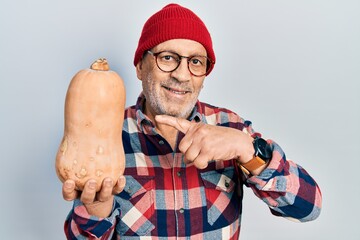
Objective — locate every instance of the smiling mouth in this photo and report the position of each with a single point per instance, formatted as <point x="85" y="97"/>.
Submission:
<point x="176" y="91"/>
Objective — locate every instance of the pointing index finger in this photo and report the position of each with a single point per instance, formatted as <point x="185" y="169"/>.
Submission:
<point x="180" y="124"/>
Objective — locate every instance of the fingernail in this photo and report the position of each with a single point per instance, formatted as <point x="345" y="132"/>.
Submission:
<point x="108" y="182"/>
<point x="69" y="185"/>
<point x="92" y="184"/>
<point x="122" y="181"/>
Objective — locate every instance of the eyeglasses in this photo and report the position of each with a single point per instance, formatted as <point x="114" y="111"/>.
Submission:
<point x="169" y="61"/>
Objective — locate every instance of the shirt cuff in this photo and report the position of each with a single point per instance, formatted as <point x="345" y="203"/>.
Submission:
<point x="272" y="178"/>
<point x="90" y="224"/>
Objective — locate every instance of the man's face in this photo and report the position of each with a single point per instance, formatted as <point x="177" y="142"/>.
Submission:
<point x="173" y="93"/>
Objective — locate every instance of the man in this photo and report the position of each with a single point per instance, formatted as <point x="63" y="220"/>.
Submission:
<point x="186" y="161"/>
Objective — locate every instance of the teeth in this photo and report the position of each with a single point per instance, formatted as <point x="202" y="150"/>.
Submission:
<point x="179" y="92"/>
<point x="183" y="92"/>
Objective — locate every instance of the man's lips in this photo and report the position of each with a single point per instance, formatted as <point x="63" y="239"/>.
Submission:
<point x="176" y="91"/>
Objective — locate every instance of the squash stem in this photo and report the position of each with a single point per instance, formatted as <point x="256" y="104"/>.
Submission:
<point x="100" y="65"/>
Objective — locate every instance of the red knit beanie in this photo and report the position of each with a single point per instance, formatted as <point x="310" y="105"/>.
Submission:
<point x="174" y="22"/>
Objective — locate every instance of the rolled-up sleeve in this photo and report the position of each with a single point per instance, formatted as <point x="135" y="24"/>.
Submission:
<point x="287" y="188"/>
<point x="80" y="225"/>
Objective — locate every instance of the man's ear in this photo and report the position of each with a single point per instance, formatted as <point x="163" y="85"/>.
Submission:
<point x="139" y="70"/>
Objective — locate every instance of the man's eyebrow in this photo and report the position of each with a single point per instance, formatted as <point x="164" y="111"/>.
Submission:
<point x="174" y="51"/>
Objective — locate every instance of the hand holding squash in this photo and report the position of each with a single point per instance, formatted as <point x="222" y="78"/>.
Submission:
<point x="91" y="148"/>
<point x="97" y="203"/>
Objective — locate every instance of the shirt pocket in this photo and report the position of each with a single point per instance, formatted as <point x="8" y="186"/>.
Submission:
<point x="222" y="202"/>
<point x="137" y="206"/>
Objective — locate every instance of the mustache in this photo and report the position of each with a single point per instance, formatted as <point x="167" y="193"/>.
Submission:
<point x="174" y="83"/>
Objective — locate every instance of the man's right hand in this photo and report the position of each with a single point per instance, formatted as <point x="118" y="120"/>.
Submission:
<point x="97" y="203"/>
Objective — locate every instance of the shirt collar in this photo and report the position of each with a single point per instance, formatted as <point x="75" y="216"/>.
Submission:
<point x="141" y="118"/>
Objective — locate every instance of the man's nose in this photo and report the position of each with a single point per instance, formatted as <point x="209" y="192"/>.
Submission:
<point x="182" y="72"/>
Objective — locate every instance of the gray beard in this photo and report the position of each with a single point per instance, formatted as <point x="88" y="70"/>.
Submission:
<point x="157" y="104"/>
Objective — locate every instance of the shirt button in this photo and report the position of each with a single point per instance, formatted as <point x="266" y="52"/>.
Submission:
<point x="178" y="173"/>
<point x="227" y="184"/>
<point x="161" y="142"/>
<point x="181" y="210"/>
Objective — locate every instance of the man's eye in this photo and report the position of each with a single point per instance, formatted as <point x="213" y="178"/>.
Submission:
<point x="168" y="58"/>
<point x="196" y="61"/>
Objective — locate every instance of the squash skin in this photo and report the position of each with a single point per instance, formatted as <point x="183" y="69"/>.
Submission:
<point x="92" y="146"/>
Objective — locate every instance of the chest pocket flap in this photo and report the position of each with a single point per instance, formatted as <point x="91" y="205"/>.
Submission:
<point x="222" y="181"/>
<point x="137" y="206"/>
<point x="221" y="198"/>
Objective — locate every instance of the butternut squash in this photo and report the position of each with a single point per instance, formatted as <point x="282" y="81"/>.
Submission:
<point x="92" y="147"/>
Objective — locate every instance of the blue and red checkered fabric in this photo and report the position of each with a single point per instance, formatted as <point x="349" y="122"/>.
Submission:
<point x="164" y="198"/>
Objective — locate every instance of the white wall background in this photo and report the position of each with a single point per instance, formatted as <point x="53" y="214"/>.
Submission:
<point x="292" y="67"/>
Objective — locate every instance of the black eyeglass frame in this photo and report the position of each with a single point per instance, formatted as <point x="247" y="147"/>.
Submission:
<point x="208" y="62"/>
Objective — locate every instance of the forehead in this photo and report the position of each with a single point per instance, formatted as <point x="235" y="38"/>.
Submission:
<point x="183" y="47"/>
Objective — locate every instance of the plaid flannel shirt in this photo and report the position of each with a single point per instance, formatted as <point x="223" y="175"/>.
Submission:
<point x="164" y="198"/>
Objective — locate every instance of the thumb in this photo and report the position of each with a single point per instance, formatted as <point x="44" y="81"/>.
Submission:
<point x="180" y="124"/>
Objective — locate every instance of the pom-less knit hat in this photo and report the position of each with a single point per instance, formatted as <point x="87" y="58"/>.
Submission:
<point x="174" y="22"/>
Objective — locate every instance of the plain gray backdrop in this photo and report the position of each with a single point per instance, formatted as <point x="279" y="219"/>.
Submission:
<point x="291" y="67"/>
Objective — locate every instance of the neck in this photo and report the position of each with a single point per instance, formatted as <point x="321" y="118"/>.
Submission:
<point x="168" y="132"/>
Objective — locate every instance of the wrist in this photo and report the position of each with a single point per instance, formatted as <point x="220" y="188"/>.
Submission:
<point x="247" y="151"/>
<point x="258" y="160"/>
<point x="100" y="209"/>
